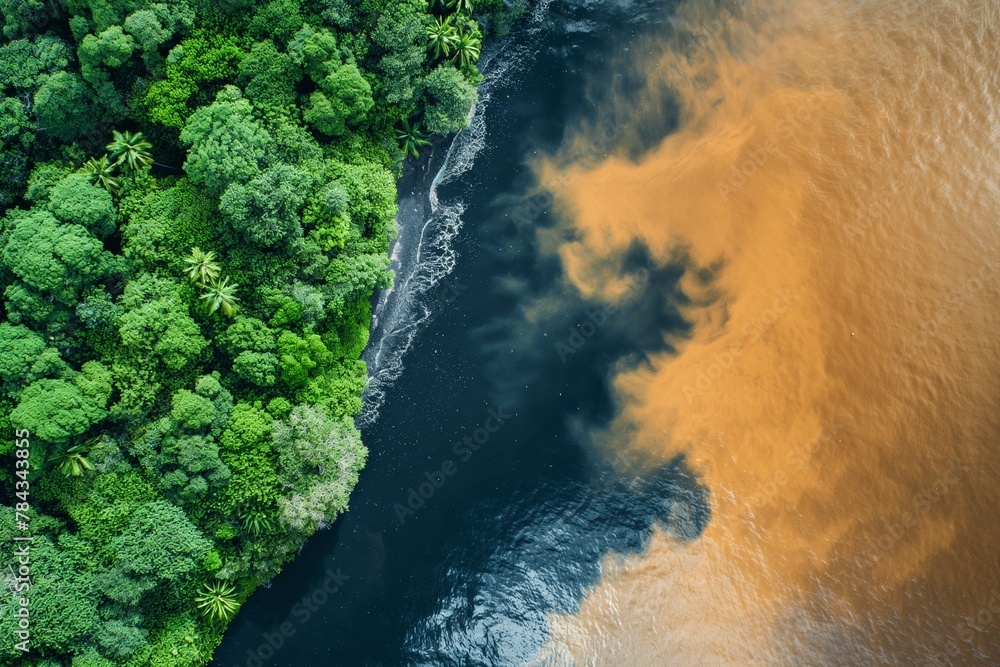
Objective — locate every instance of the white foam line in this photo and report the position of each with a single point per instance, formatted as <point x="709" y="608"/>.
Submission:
<point x="402" y="310"/>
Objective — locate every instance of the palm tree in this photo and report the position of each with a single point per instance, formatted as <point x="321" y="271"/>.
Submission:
<point x="131" y="148"/>
<point x="257" y="523"/>
<point x="442" y="37"/>
<point x="220" y="295"/>
<point x="102" y="172"/>
<point x="466" y="49"/>
<point x="73" y="462"/>
<point x="459" y="5"/>
<point x="411" y="138"/>
<point x="217" y="601"/>
<point x="202" y="268"/>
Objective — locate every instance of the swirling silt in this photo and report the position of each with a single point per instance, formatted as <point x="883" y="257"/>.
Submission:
<point x="843" y="153"/>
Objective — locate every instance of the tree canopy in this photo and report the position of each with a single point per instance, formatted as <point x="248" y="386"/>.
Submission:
<point x="197" y="204"/>
<point x="226" y="145"/>
<point x="56" y="259"/>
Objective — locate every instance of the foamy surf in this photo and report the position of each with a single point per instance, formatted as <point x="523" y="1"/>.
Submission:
<point x="423" y="253"/>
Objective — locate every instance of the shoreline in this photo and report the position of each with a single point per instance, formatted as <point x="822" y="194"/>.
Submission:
<point x="397" y="310"/>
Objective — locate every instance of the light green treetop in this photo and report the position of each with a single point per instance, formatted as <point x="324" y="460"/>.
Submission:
<point x="54" y="258"/>
<point x="226" y="144"/>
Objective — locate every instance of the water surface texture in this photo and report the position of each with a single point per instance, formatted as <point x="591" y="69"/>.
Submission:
<point x="702" y="369"/>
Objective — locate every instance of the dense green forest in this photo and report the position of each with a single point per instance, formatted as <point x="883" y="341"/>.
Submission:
<point x="197" y="201"/>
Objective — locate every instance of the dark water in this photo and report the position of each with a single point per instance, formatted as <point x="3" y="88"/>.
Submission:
<point x="519" y="527"/>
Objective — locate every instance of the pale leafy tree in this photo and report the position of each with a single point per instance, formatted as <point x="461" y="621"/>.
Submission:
<point x="130" y="148"/>
<point x="221" y="295"/>
<point x="102" y="172"/>
<point x="442" y="37"/>
<point x="202" y="268"/>
<point x="217" y="601"/>
<point x="411" y="139"/>
<point x="319" y="459"/>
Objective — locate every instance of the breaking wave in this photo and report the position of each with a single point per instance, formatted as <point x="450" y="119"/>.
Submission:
<point x="423" y="254"/>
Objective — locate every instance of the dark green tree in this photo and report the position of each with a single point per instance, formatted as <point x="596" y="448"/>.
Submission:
<point x="158" y="545"/>
<point x="448" y="98"/>
<point x="266" y="209"/>
<point x="278" y="19"/>
<point x="17" y="136"/>
<point x="344" y="99"/>
<point x="64" y="106"/>
<point x="25" y="358"/>
<point x="315" y="51"/>
<point x="400" y="41"/>
<point x="269" y="76"/>
<point x="24" y="61"/>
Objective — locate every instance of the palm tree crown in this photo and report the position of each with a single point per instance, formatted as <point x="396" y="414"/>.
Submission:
<point x="411" y="138"/>
<point x="130" y="148"/>
<point x="201" y="266"/>
<point x="466" y="49"/>
<point x="442" y="37"/>
<point x="73" y="461"/>
<point x="101" y="172"/>
<point x="217" y="601"/>
<point x="221" y="295"/>
<point x="459" y="5"/>
<point x="257" y="523"/>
